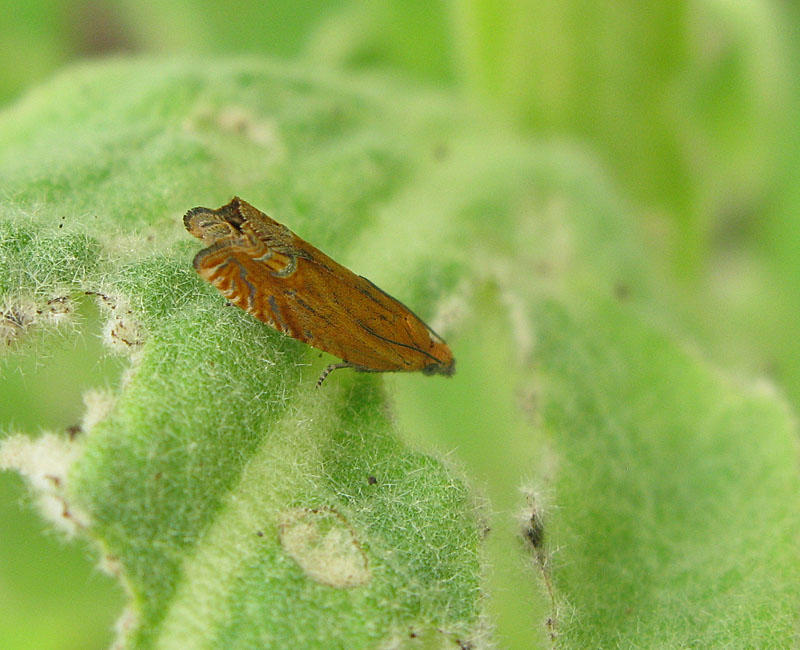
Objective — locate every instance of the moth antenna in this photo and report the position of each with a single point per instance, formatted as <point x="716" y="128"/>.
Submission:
<point x="330" y="369"/>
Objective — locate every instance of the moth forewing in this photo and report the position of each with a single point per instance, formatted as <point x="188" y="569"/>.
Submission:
<point x="264" y="268"/>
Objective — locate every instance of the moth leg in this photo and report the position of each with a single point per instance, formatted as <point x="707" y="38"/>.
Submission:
<point x="331" y="368"/>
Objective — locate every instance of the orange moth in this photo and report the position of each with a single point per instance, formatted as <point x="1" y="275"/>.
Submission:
<point x="267" y="270"/>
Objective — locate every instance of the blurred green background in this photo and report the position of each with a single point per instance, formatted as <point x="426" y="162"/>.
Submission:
<point x="692" y="109"/>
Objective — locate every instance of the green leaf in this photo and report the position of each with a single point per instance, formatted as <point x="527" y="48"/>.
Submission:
<point x="637" y="494"/>
<point x="237" y="503"/>
<point x="687" y="531"/>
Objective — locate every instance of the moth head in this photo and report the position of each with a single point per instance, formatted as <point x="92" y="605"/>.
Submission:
<point x="213" y="225"/>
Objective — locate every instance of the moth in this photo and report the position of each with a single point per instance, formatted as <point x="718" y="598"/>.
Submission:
<point x="262" y="267"/>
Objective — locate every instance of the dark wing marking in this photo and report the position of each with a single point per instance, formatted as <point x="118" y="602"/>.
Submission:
<point x="375" y="286"/>
<point x="372" y="332"/>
